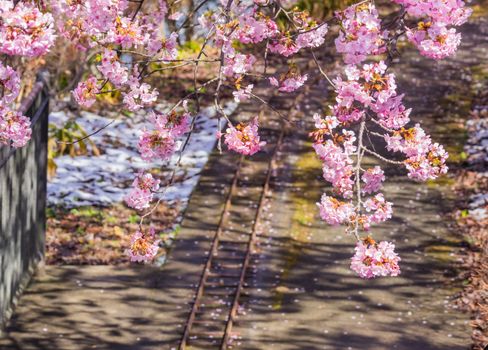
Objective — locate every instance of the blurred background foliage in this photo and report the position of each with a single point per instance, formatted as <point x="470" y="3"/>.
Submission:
<point x="323" y="9"/>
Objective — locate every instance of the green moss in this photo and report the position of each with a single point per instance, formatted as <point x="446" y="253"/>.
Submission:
<point x="305" y="171"/>
<point x="440" y="252"/>
<point x="479" y="72"/>
<point x="480" y="10"/>
<point x="88" y="212"/>
<point x="441" y="181"/>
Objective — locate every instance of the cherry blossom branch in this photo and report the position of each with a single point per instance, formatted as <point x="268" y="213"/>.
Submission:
<point x="359" y="156"/>
<point x="190" y="15"/>
<point x="320" y="69"/>
<point x="87" y="136"/>
<point x="381" y="157"/>
<point x="281" y="115"/>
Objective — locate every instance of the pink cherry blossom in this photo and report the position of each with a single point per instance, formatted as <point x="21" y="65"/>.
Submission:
<point x="374" y="260"/>
<point x="428" y="166"/>
<point x="411" y="141"/>
<point x="86" y="92"/>
<point x="156" y="144"/>
<point x="361" y="33"/>
<point x="256" y="28"/>
<point x="143" y="247"/>
<point x="125" y="32"/>
<point x="337" y="168"/>
<point x="289" y="82"/>
<point x="284" y="46"/>
<point x="160" y="142"/>
<point x="139" y="95"/>
<point x="24" y="30"/>
<point x="113" y="69"/>
<point x="335" y="212"/>
<point x="373" y="179"/>
<point x="435" y="41"/>
<point x="14" y="128"/>
<point x="312" y="36"/>
<point x="380" y="208"/>
<point x="237" y="63"/>
<point x="9" y="84"/>
<point x="324" y="127"/>
<point x="450" y="12"/>
<point x="244" y="138"/>
<point x="165" y="48"/>
<point x="392" y="113"/>
<point x="174" y="123"/>
<point x="141" y="194"/>
<point x="243" y="94"/>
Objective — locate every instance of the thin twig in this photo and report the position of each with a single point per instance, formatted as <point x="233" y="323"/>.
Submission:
<point x="87" y="136"/>
<point x="381" y="157"/>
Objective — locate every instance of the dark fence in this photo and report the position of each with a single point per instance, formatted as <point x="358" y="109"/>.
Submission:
<point x="23" y="203"/>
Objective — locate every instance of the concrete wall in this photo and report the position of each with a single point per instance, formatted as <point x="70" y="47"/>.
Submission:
<point x="23" y="204"/>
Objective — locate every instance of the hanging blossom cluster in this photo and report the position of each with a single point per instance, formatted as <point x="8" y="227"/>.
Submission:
<point x="130" y="41"/>
<point x="369" y="96"/>
<point x="24" y="32"/>
<point x="144" y="246"/>
<point x="373" y="259"/>
<point x="368" y="99"/>
<point x="361" y="34"/>
<point x="243" y="138"/>
<point x="435" y="36"/>
<point x="143" y="189"/>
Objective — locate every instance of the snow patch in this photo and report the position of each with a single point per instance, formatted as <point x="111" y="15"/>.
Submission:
<point x="105" y="180"/>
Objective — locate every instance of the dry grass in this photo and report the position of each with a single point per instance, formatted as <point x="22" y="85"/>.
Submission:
<point x="97" y="236"/>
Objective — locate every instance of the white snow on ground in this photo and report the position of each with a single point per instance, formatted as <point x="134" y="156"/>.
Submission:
<point x="104" y="180"/>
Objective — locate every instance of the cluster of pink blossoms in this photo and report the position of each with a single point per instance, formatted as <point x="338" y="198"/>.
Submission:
<point x="248" y="25"/>
<point x="373" y="179"/>
<point x="142" y="192"/>
<point x="368" y="93"/>
<point x="14" y="128"/>
<point x="86" y="92"/>
<point x="310" y="35"/>
<point x="369" y="96"/>
<point x="143" y="246"/>
<point x="9" y="83"/>
<point x="241" y="95"/>
<point x="160" y="142"/>
<point x="105" y="24"/>
<point x="426" y="160"/>
<point x="24" y="30"/>
<point x="289" y="82"/>
<point x="334" y="211"/>
<point x="433" y="36"/>
<point x="373" y="259"/>
<point x="139" y="95"/>
<point x="361" y="33"/>
<point x="244" y="139"/>
<point x="335" y="153"/>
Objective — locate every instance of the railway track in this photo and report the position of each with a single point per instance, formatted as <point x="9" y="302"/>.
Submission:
<point x="223" y="280"/>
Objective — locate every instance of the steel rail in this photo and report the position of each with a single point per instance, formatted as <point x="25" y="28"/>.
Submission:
<point x="250" y="244"/>
<point x="208" y="263"/>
